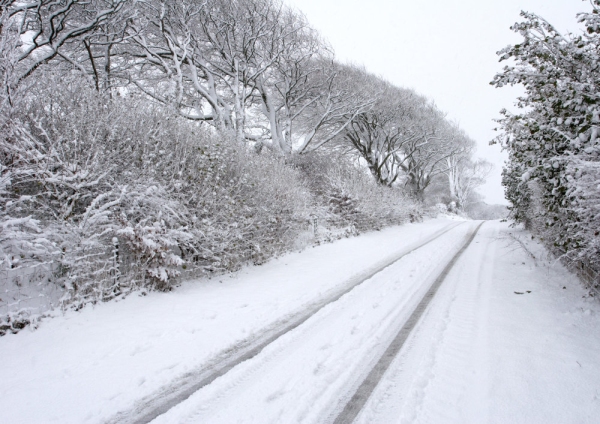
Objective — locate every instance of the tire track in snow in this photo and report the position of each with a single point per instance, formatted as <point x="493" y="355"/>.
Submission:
<point x="354" y="406"/>
<point x="151" y="407"/>
<point x="459" y="342"/>
<point x="299" y="378"/>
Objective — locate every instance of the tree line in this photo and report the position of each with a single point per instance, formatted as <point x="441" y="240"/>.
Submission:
<point x="199" y="134"/>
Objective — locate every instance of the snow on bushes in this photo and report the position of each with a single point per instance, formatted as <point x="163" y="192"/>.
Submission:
<point x="551" y="178"/>
<point x="346" y="197"/>
<point x="106" y="196"/>
<point x="116" y="196"/>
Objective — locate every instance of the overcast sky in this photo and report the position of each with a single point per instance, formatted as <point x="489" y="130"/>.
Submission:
<point x="443" y="49"/>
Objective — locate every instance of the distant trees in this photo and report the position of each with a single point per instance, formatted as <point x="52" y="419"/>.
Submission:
<point x="464" y="173"/>
<point x="403" y="139"/>
<point x="430" y="155"/>
<point x="385" y="134"/>
<point x="552" y="175"/>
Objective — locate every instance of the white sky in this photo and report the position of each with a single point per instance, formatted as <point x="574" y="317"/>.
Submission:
<point x="444" y="49"/>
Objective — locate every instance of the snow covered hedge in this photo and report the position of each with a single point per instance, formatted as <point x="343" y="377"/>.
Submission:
<point x="117" y="196"/>
<point x="104" y="196"/>
<point x="552" y="178"/>
<point x="345" y="196"/>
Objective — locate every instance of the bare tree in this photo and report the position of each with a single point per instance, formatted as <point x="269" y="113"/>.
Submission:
<point x="254" y="67"/>
<point x="35" y="32"/>
<point x="427" y="156"/>
<point x="208" y="59"/>
<point x="396" y="127"/>
<point x="465" y="175"/>
<point x="170" y="61"/>
<point x="101" y="54"/>
<point x="341" y="93"/>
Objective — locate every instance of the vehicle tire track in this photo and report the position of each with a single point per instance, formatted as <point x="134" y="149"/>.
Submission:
<point x="300" y="377"/>
<point x="366" y="388"/>
<point x="159" y="403"/>
<point x="463" y="340"/>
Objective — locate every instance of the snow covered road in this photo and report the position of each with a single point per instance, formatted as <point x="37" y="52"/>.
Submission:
<point x="508" y="339"/>
<point x="480" y="352"/>
<point x="303" y="375"/>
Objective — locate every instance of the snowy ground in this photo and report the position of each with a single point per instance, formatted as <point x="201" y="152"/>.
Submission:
<point x="481" y="352"/>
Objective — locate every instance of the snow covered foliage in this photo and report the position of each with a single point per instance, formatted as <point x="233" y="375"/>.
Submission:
<point x="346" y="197"/>
<point x="145" y="141"/>
<point x="119" y="195"/>
<point x="552" y="177"/>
